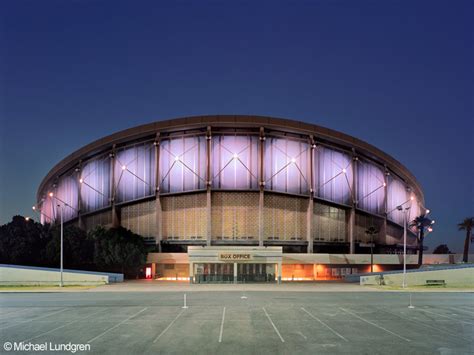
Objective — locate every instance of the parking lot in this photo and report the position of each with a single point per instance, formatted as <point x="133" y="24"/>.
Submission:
<point x="242" y="322"/>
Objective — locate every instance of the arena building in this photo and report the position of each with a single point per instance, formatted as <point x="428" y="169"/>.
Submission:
<point x="241" y="198"/>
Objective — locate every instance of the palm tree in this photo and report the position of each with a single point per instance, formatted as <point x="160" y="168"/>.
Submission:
<point x="466" y="225"/>
<point x="420" y="223"/>
<point x="371" y="231"/>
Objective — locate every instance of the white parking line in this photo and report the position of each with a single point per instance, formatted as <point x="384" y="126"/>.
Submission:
<point x="464" y="310"/>
<point x="273" y="324"/>
<point x="117" y="325"/>
<point x="169" y="326"/>
<point x="320" y="321"/>
<point x="16" y="311"/>
<point x="443" y="315"/>
<point x="222" y="326"/>
<point x="62" y="326"/>
<point x="33" y="319"/>
<point x="375" y="325"/>
<point x="424" y="324"/>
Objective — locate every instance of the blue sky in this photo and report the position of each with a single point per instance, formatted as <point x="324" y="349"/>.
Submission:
<point x="397" y="74"/>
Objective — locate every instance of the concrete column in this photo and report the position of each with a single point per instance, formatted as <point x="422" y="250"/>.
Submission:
<point x="309" y="217"/>
<point x="80" y="223"/>
<point x="113" y="162"/>
<point x="158" y="212"/>
<point x="351" y="219"/>
<point x="279" y="272"/>
<point x="191" y="272"/>
<point x="235" y="273"/>
<point x="262" y="185"/>
<point x="208" y="191"/>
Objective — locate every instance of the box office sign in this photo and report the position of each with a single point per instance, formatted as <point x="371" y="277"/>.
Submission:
<point x="235" y="256"/>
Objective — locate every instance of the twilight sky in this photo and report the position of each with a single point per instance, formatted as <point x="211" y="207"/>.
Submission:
<point x="397" y="74"/>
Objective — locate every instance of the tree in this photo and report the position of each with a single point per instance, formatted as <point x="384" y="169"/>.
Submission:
<point x="421" y="223"/>
<point x="118" y="250"/>
<point x="371" y="231"/>
<point x="22" y="240"/>
<point x="78" y="248"/>
<point x="441" y="249"/>
<point x="466" y="225"/>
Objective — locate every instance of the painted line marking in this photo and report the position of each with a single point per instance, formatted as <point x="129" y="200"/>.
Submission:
<point x="16" y="311"/>
<point x="445" y="316"/>
<point x="375" y="325"/>
<point x="465" y="310"/>
<point x="117" y="325"/>
<point x="273" y="324"/>
<point x="304" y="337"/>
<point x="33" y="319"/>
<point x="169" y="326"/>
<point x="64" y="325"/>
<point x="222" y="326"/>
<point x="442" y="330"/>
<point x="320" y="321"/>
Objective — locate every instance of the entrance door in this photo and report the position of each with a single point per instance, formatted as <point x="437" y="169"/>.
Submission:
<point x="255" y="273"/>
<point x="214" y="273"/>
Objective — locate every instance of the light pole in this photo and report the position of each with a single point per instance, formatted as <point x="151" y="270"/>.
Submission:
<point x="404" y="210"/>
<point x="62" y="234"/>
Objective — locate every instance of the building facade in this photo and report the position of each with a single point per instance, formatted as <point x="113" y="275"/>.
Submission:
<point x="234" y="182"/>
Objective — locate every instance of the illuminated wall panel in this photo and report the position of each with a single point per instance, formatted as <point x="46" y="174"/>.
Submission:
<point x="286" y="165"/>
<point x="103" y="219"/>
<point x="184" y="217"/>
<point x="284" y="217"/>
<point x="329" y="223"/>
<point x="370" y="187"/>
<point x="333" y="175"/>
<point x="67" y="195"/>
<point x="396" y="195"/>
<point x="235" y="162"/>
<point x="95" y="184"/>
<point x="47" y="210"/>
<point x="235" y="215"/>
<point x="183" y="164"/>
<point x="140" y="218"/>
<point x="135" y="172"/>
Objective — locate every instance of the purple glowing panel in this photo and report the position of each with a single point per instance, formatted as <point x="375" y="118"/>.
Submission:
<point x="286" y="165"/>
<point x="333" y="175"/>
<point x="67" y="195"/>
<point x="397" y="195"/>
<point x="235" y="162"/>
<point x="47" y="210"/>
<point x="95" y="184"/>
<point x="183" y="164"/>
<point x="415" y="210"/>
<point x="370" y="187"/>
<point x="135" y="172"/>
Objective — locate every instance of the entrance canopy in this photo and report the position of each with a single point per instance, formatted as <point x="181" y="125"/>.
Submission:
<point x="235" y="264"/>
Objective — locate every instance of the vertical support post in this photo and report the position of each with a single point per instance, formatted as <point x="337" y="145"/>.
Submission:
<point x="351" y="220"/>
<point x="208" y="189"/>
<point x="158" y="212"/>
<point x="309" y="216"/>
<point x="80" y="223"/>
<point x="191" y="272"/>
<point x="261" y="199"/>
<point x="279" y="272"/>
<point x="383" y="231"/>
<point x="113" y="188"/>
<point x="61" y="207"/>
<point x="235" y="273"/>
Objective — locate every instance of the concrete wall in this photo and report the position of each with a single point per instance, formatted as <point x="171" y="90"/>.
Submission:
<point x="455" y="276"/>
<point x="29" y="275"/>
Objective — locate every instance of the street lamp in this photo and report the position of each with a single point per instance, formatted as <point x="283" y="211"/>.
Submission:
<point x="61" y="208"/>
<point x="405" y="211"/>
